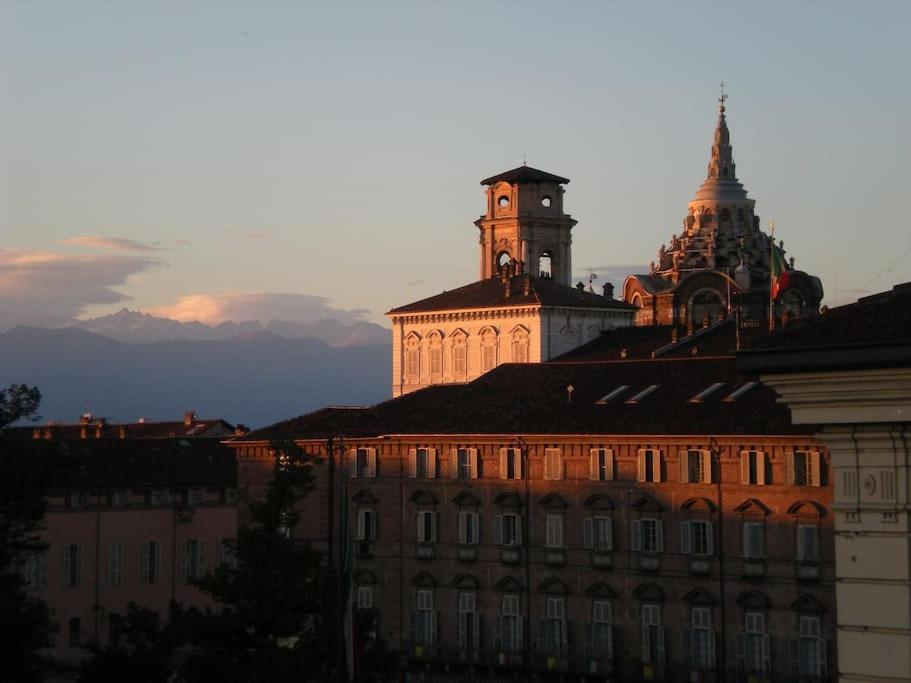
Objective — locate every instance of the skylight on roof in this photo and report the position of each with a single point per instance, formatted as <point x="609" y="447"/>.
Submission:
<point x="642" y="394"/>
<point x="613" y="394"/>
<point x="705" y="393"/>
<point x="740" y="391"/>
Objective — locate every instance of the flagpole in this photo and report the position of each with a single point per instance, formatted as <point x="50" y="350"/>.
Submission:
<point x="771" y="277"/>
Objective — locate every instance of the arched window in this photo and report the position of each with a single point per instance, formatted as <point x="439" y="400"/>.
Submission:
<point x="459" y="354"/>
<point x="413" y="358"/>
<point x="545" y="264"/>
<point x="705" y="303"/>
<point x="636" y="300"/>
<point x="436" y="355"/>
<point x="519" y="346"/>
<point x="503" y="260"/>
<point x="488" y="350"/>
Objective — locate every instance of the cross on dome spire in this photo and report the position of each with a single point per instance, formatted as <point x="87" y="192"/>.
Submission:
<point x="722" y="99"/>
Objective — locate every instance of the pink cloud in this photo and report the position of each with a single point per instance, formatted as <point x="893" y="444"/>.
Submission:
<point x="115" y="243"/>
<point x="213" y="309"/>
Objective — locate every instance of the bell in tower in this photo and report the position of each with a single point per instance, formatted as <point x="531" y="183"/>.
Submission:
<point x="524" y="228"/>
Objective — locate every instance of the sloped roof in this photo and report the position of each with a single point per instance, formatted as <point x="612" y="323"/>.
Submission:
<point x="491" y="293"/>
<point x="133" y="430"/>
<point x="112" y="463"/>
<point x="532" y="399"/>
<point x="524" y="174"/>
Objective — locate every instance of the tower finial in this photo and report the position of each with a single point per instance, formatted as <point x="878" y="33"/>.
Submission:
<point x="722" y="99"/>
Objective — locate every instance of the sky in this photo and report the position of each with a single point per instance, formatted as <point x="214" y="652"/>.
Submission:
<point x="250" y="160"/>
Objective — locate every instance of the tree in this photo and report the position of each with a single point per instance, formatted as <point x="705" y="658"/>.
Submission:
<point x="25" y="624"/>
<point x="141" y="652"/>
<point x="275" y="621"/>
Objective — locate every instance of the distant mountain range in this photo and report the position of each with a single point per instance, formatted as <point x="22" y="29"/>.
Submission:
<point x="255" y="376"/>
<point x="136" y="327"/>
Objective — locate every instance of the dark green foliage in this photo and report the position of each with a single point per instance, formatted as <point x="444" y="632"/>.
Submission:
<point x="141" y="652"/>
<point x="25" y="625"/>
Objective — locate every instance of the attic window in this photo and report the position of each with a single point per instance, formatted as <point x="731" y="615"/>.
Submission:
<point x="642" y="394"/>
<point x="705" y="393"/>
<point x="740" y="391"/>
<point x="614" y="394"/>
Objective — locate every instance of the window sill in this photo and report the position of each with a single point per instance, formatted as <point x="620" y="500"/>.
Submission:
<point x="808" y="571"/>
<point x="649" y="563"/>
<point x="700" y="565"/>
<point x="365" y="549"/>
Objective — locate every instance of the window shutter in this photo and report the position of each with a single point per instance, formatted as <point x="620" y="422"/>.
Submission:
<point x="413" y="462"/>
<point x="745" y="467"/>
<point x="760" y="468"/>
<point x="473" y="458"/>
<point x="498" y="633"/>
<point x="640" y="463"/>
<point x="588" y="633"/>
<point x="454" y="463"/>
<point x="79" y="564"/>
<point x="504" y="468"/>
<point x="558" y="460"/>
<point x="656" y="465"/>
<point x="745" y="533"/>
<point x="710" y="538"/>
<point x="67" y="566"/>
<point x="659" y="533"/>
<point x="685" y="538"/>
<point x="432" y="463"/>
<point x="498" y="530"/>
<point x="816" y="468"/>
<point x="352" y="461"/>
<point x="594" y="465"/>
<point x="183" y="560"/>
<point x="711" y="649"/>
<point x="789" y="467"/>
<point x="433" y="526"/>
<point x="739" y="653"/>
<point x="687" y="645"/>
<point x="463" y="532"/>
<point x="156" y="574"/>
<point x="636" y="536"/>
<point x="567" y="627"/>
<point x="587" y="533"/>
<point x="371" y="462"/>
<point x="766" y="654"/>
<point x="518" y="530"/>
<point x="683" y="463"/>
<point x="476" y="641"/>
<point x="419" y="526"/>
<point x="706" y="467"/>
<point x="608" y="464"/>
<point x="517" y="463"/>
<point x="434" y="626"/>
<point x="144" y="563"/>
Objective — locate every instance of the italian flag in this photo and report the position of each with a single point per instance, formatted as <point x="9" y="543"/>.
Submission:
<point x="780" y="273"/>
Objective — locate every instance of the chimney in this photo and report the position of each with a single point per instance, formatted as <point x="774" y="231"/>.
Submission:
<point x="608" y="290"/>
<point x="189" y="418"/>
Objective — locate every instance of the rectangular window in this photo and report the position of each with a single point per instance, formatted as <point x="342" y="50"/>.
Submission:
<point x="696" y="537"/>
<point x="192" y="558"/>
<point x="150" y="562"/>
<point x="553" y="531"/>
<point x="601" y="464"/>
<point x="696" y="467"/>
<point x="808" y="543"/>
<point x="78" y="499"/>
<point x="648" y="536"/>
<point x="366" y="525"/>
<point x="602" y="641"/>
<point x="702" y="640"/>
<point x="115" y="564"/>
<point x="464" y="463"/>
<point x="363" y="463"/>
<point x="160" y="497"/>
<point x="427" y="526"/>
<point x="436" y="361"/>
<point x="811" y="649"/>
<point x="459" y="359"/>
<point x="425" y="629"/>
<point x="468" y="528"/>
<point x="554" y="627"/>
<point x="553" y="463"/>
<point x="72" y="565"/>
<point x="488" y="357"/>
<point x="508" y="529"/>
<point x="510" y="463"/>
<point x="468" y="621"/>
<point x="597" y="533"/>
<point x="805" y="468"/>
<point x="753" y="656"/>
<point x="652" y="635"/>
<point x="649" y="465"/>
<point x="120" y="497"/>
<point x="753" y="546"/>
<point x="196" y="496"/>
<point x="509" y="631"/>
<point x="75" y="632"/>
<point x="423" y="463"/>
<point x="365" y="597"/>
<point x="412" y="363"/>
<point x="752" y="468"/>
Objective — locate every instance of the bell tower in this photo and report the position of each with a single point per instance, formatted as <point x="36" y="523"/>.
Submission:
<point x="525" y="227"/>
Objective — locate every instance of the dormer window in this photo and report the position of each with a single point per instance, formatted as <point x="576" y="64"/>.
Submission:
<point x="642" y="394"/>
<point x="613" y="394"/>
<point x="740" y="391"/>
<point x="705" y="393"/>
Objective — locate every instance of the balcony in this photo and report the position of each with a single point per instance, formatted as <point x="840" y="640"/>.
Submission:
<point x="808" y="571"/>
<point x="649" y="563"/>
<point x="467" y="553"/>
<point x="700" y="565"/>
<point x="510" y="554"/>
<point x="753" y="568"/>
<point x="602" y="559"/>
<point x="424" y="551"/>
<point x="554" y="557"/>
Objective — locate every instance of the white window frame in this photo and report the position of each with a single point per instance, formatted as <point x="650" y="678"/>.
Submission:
<point x="511" y="625"/>
<point x="696" y="466"/>
<point x="554" y="626"/>
<point x="426" y="526"/>
<point x="598" y="533"/>
<point x="510" y="463"/>
<point x="429" y="456"/>
<point x="640" y="534"/>
<point x="469" y="527"/>
<point x="702" y="639"/>
<point x="364" y="597"/>
<point x="425" y="626"/>
<point x="602" y="630"/>
<point x="508" y="529"/>
<point x="366" y="524"/>
<point x="553" y="463"/>
<point x="469" y="622"/>
<point x="646" y="473"/>
<point x="463" y="463"/>
<point x="754" y="647"/>
<point x="811" y="649"/>
<point x="191" y="553"/>
<point x="697" y="532"/>
<point x="755" y="461"/>
<point x="806" y="473"/>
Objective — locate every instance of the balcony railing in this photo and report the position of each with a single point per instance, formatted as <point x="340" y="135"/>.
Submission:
<point x="602" y="559"/>
<point x="467" y="553"/>
<point x="510" y="554"/>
